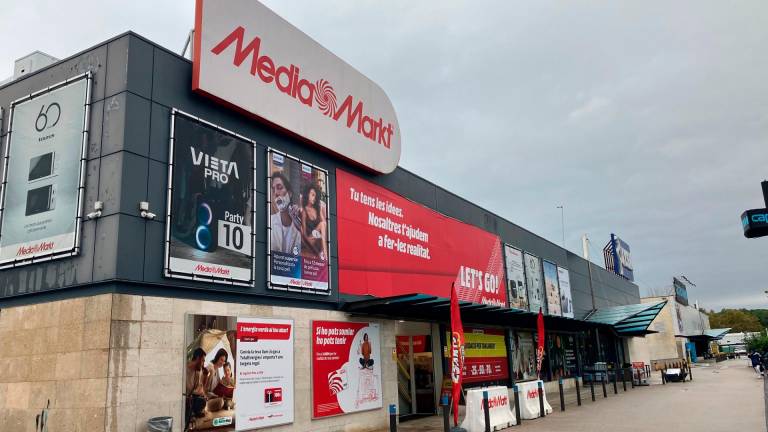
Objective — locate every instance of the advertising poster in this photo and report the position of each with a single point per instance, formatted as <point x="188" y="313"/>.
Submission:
<point x="516" y="290"/>
<point x="535" y="283"/>
<point x="42" y="186"/>
<point x="524" y="360"/>
<point x="298" y="225"/>
<point x="346" y="367"/>
<point x="552" y="288"/>
<point x="566" y="298"/>
<point x="485" y="355"/>
<point x="389" y="246"/>
<point x="211" y="396"/>
<point x="209" y="229"/>
<point x="264" y="372"/>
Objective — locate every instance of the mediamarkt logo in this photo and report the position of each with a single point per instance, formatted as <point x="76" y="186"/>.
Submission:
<point x="287" y="79"/>
<point x="33" y="249"/>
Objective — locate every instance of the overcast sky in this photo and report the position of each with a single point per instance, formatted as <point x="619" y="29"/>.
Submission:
<point x="649" y="119"/>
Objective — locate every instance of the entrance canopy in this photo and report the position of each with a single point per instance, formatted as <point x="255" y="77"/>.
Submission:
<point x="628" y="320"/>
<point x="422" y="307"/>
<point x="708" y="335"/>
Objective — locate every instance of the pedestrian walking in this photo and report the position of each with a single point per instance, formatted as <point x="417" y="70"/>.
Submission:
<point x="757" y="363"/>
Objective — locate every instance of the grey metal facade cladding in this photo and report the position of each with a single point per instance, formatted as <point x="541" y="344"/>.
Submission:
<point x="135" y="85"/>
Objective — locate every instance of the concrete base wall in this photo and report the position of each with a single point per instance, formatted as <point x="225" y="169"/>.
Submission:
<point x="111" y="362"/>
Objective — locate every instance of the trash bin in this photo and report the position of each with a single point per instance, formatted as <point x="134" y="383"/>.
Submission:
<point x="160" y="424"/>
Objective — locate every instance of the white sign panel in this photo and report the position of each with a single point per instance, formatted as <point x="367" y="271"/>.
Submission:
<point x="45" y="172"/>
<point x="535" y="283"/>
<point x="264" y="391"/>
<point x="566" y="298"/>
<point x="250" y="58"/>
<point x="517" y="292"/>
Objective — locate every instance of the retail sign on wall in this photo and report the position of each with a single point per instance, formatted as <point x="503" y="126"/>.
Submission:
<point x="346" y="367"/>
<point x="209" y="225"/>
<point x="485" y="355"/>
<point x="44" y="178"/>
<point x="248" y="57"/>
<point x="536" y="296"/>
<point x="389" y="246"/>
<point x="552" y="288"/>
<point x="517" y="292"/>
<point x="264" y="372"/>
<point x="299" y="225"/>
<point x="618" y="258"/>
<point x="566" y="298"/>
<point x="681" y="291"/>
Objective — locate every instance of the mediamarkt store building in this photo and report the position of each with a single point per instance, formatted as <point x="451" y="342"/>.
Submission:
<point x="230" y="242"/>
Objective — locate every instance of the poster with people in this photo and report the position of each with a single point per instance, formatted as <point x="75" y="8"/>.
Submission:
<point x="535" y="283"/>
<point x="517" y="292"/>
<point x="566" y="298"/>
<point x="42" y="185"/>
<point x="524" y="361"/>
<point x="209" y="227"/>
<point x="346" y="367"/>
<point x="299" y="225"/>
<point x="552" y="288"/>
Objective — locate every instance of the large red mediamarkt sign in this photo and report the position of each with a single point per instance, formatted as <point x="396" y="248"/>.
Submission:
<point x="389" y="246"/>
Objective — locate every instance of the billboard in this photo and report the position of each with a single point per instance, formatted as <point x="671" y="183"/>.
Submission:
<point x="346" y="367"/>
<point x="209" y="225"/>
<point x="249" y="58"/>
<point x="485" y="355"/>
<point x="533" y="278"/>
<point x="552" y="288"/>
<point x="44" y="174"/>
<point x="299" y="225"/>
<point x="238" y="373"/>
<point x="681" y="291"/>
<point x="566" y="298"/>
<point x="516" y="290"/>
<point x="618" y="258"/>
<point x="390" y="246"/>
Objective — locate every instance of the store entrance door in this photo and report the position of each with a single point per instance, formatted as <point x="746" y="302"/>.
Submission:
<point x="415" y="376"/>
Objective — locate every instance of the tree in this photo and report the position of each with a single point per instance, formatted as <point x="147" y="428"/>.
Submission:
<point x="737" y="320"/>
<point x="762" y="315"/>
<point x="757" y="343"/>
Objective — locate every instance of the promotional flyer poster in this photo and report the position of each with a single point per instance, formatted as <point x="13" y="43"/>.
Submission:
<point x="517" y="292"/>
<point x="535" y="283"/>
<point x="210" y="220"/>
<point x="552" y="288"/>
<point x="524" y="360"/>
<point x="566" y="298"/>
<point x="298" y="225"/>
<point x="211" y="371"/>
<point x="389" y="245"/>
<point x="485" y="355"/>
<point x="264" y="372"/>
<point x="346" y="367"/>
<point x="42" y="196"/>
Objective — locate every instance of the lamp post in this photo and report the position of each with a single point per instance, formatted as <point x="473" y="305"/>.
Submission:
<point x="562" y="222"/>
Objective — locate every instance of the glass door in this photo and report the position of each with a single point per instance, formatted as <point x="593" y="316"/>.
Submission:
<point x="415" y="375"/>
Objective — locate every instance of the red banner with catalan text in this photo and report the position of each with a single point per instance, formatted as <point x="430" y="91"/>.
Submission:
<point x="389" y="245"/>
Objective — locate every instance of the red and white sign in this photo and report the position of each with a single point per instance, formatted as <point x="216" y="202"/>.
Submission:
<point x="264" y="391"/>
<point x="346" y="367"/>
<point x="500" y="409"/>
<point x="389" y="246"/>
<point x="248" y="57"/>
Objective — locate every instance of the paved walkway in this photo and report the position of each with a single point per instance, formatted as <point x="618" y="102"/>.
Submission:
<point x="725" y="397"/>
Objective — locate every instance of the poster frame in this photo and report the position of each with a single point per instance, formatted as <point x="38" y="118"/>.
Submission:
<point x="167" y="272"/>
<point x="312" y="369"/>
<point x="570" y="289"/>
<point x="75" y="249"/>
<point x="506" y="274"/>
<point x="541" y="275"/>
<point x="288" y="288"/>
<point x="189" y="315"/>
<point x="546" y="294"/>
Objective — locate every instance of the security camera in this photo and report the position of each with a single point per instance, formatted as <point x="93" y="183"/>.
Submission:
<point x="98" y="206"/>
<point x="144" y="211"/>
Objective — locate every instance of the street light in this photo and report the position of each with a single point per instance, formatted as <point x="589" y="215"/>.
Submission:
<point x="562" y="222"/>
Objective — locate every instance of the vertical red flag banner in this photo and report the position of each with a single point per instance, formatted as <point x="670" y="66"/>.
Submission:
<point x="540" y="345"/>
<point x="457" y="352"/>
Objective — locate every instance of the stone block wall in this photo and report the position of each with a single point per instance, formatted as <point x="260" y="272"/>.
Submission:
<point x="111" y="362"/>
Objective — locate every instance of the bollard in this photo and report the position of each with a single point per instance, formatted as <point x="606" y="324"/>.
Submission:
<point x="624" y="379"/>
<point x="578" y="391"/>
<point x="690" y="372"/>
<point x="486" y="412"/>
<point x="605" y="392"/>
<point x="517" y="404"/>
<point x="541" y="400"/>
<point x="393" y="418"/>
<point x="632" y="375"/>
<point x="592" y="387"/>
<point x="446" y="413"/>
<point x="663" y="378"/>
<point x="615" y="389"/>
<point x="562" y="396"/>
